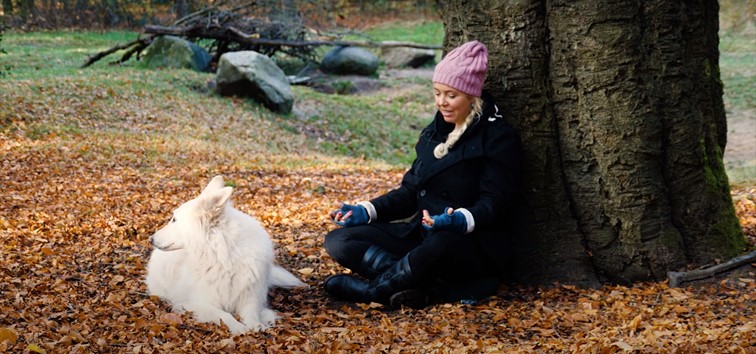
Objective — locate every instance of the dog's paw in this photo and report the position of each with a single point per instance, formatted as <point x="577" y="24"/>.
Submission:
<point x="238" y="328"/>
<point x="268" y="317"/>
<point x="266" y="320"/>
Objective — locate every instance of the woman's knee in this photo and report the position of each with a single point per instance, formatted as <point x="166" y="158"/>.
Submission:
<point x="444" y="248"/>
<point x="445" y="240"/>
<point x="334" y="243"/>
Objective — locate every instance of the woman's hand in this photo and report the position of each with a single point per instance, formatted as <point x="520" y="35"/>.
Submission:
<point x="350" y="215"/>
<point x="450" y="220"/>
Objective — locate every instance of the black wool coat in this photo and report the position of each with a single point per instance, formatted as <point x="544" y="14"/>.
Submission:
<point x="481" y="173"/>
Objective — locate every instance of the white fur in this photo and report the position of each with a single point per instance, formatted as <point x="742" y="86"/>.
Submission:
<point x="216" y="261"/>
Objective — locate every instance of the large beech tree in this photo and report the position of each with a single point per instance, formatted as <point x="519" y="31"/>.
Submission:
<point x="619" y="106"/>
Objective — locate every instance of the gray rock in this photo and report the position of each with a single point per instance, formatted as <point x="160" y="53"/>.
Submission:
<point x="175" y="52"/>
<point x="349" y="61"/>
<point x="251" y="74"/>
<point x="400" y="57"/>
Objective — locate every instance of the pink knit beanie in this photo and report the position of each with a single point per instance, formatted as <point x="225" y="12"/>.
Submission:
<point x="464" y="68"/>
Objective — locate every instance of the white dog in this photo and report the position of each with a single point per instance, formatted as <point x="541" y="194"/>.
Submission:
<point x="216" y="261"/>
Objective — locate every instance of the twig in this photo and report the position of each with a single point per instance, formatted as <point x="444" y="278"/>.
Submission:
<point x="197" y="13"/>
<point x="677" y="278"/>
<point x="186" y="326"/>
<point x="193" y="15"/>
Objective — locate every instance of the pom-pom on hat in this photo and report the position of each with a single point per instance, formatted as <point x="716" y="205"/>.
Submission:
<point x="464" y="68"/>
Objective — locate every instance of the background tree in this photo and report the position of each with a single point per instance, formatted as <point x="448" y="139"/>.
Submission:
<point x="620" y="109"/>
<point x="5" y="68"/>
<point x="7" y="7"/>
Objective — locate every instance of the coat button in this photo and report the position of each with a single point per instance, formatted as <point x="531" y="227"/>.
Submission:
<point x="422" y="193"/>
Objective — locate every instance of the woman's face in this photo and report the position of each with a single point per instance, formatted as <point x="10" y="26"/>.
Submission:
<point x="454" y="105"/>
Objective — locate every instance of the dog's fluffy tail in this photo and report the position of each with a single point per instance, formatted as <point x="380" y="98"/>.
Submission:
<point x="282" y="278"/>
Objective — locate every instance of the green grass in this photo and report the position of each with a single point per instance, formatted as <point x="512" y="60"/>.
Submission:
<point x="39" y="55"/>
<point x="426" y="32"/>
<point x="51" y="95"/>
<point x="738" y="69"/>
<point x="737" y="63"/>
<point x="369" y="125"/>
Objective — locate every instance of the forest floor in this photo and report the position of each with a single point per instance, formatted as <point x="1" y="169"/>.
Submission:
<point x="74" y="231"/>
<point x="79" y="206"/>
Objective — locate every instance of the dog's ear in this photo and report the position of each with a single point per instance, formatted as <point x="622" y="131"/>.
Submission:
<point x="213" y="202"/>
<point x="214" y="184"/>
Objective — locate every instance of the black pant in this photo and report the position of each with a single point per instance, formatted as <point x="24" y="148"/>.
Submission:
<point x="445" y="255"/>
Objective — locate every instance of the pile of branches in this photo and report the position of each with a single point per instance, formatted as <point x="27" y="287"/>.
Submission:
<point x="221" y="31"/>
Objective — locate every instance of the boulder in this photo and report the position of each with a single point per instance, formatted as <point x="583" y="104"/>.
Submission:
<point x="251" y="74"/>
<point x="400" y="57"/>
<point x="349" y="61"/>
<point x="175" y="52"/>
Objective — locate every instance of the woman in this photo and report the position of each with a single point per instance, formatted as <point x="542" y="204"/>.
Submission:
<point x="441" y="235"/>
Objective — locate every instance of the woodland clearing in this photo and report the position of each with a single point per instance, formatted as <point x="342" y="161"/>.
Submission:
<point x="93" y="162"/>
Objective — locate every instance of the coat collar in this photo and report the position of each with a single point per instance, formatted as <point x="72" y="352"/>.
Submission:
<point x="469" y="145"/>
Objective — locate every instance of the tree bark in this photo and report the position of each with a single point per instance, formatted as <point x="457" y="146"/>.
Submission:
<point x="619" y="105"/>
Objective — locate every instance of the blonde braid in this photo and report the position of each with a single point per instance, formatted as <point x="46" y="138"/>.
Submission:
<point x="442" y="149"/>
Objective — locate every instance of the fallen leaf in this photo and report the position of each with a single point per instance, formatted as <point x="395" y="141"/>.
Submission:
<point x="7" y="334"/>
<point x="306" y="271"/>
<point x="36" y="348"/>
<point x="171" y="318"/>
<point x="623" y="345"/>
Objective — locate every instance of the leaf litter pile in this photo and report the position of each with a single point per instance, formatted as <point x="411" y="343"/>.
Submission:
<point x="78" y="208"/>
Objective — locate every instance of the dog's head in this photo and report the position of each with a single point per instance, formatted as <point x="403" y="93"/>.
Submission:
<point x="191" y="220"/>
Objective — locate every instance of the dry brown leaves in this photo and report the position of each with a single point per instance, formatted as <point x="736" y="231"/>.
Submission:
<point x="76" y="214"/>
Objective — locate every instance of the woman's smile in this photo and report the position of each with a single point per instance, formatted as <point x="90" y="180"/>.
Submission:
<point x="453" y="105"/>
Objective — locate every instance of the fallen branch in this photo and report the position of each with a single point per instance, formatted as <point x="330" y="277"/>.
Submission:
<point x="677" y="278"/>
<point x="141" y="42"/>
<point x="241" y="37"/>
<point x="220" y="28"/>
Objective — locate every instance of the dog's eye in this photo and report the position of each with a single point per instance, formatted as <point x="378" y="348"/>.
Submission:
<point x="173" y="219"/>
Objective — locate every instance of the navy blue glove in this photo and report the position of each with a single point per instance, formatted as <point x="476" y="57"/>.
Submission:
<point x="453" y="221"/>
<point x="350" y="215"/>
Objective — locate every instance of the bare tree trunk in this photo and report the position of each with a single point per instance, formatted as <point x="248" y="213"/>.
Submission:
<point x="184" y="7"/>
<point x="27" y="10"/>
<point x="8" y="9"/>
<point x="620" y="108"/>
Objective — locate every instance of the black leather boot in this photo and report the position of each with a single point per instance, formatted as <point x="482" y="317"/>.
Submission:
<point x="395" y="279"/>
<point x="347" y="287"/>
<point x="375" y="261"/>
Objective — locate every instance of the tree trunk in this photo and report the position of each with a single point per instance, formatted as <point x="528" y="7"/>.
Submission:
<point x="619" y="105"/>
<point x="27" y="10"/>
<point x="184" y="7"/>
<point x="82" y="9"/>
<point x="8" y="8"/>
